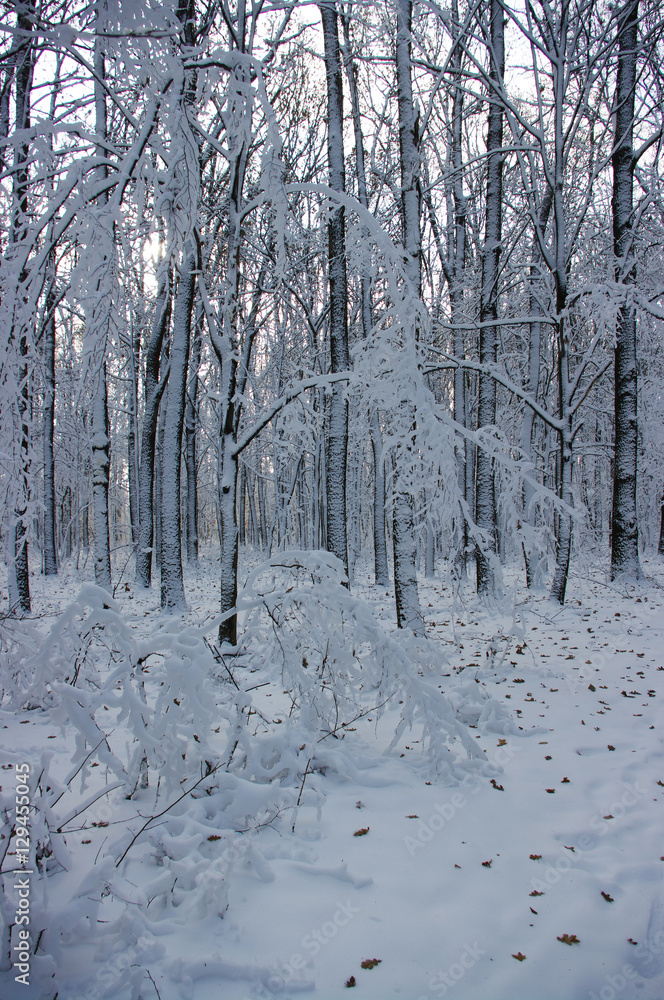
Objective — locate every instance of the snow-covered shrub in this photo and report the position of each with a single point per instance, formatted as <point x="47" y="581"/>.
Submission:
<point x="338" y="662"/>
<point x="164" y="758"/>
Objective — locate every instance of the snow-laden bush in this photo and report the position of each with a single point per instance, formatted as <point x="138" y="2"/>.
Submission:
<point x="163" y="758"/>
<point x="177" y="759"/>
<point x="338" y="663"/>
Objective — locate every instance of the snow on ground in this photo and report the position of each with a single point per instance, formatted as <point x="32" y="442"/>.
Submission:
<point x="546" y="881"/>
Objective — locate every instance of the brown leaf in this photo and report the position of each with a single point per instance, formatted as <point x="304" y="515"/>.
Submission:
<point x="569" y="939"/>
<point x="519" y="957"/>
<point x="535" y="857"/>
<point x="487" y="864"/>
<point x="361" y="833"/>
<point x="608" y="898"/>
<point x="370" y="963"/>
<point x="351" y="981"/>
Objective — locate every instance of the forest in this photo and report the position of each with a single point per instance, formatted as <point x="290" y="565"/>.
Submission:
<point x="331" y="371"/>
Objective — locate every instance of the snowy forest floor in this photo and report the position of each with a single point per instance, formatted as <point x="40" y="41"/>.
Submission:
<point x="544" y="882"/>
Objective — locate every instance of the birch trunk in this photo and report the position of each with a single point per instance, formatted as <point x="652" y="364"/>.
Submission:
<point x="624" y="537"/>
<point x="229" y="538"/>
<point x="485" y="483"/>
<point x="228" y="351"/>
<point x="403" y="530"/>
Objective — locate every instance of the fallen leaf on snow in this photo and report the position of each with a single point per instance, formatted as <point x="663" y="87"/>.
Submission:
<point x="569" y="939"/>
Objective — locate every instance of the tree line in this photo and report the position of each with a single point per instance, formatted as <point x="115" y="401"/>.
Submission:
<point x="378" y="277"/>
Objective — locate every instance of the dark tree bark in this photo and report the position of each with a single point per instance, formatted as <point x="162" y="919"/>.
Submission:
<point x="536" y="295"/>
<point x="154" y="389"/>
<point x="485" y="484"/>
<point x="172" y="584"/>
<point x="50" y="543"/>
<point x="24" y="70"/>
<point x="337" y="444"/>
<point x="624" y="536"/>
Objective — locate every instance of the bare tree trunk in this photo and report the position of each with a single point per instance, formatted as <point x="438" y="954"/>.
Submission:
<point x="485" y="484"/>
<point x="624" y="537"/>
<point x="403" y="529"/>
<point x="337" y="445"/>
<point x="50" y="545"/>
<point x="100" y="442"/>
<point x="228" y="350"/>
<point x="190" y="428"/>
<point x="158" y="479"/>
<point x="24" y="67"/>
<point x="101" y="446"/>
<point x="146" y="469"/>
<point x="132" y="429"/>
<point x="537" y="288"/>
<point x="172" y="584"/>
<point x="560" y="274"/>
<point x="381" y="571"/>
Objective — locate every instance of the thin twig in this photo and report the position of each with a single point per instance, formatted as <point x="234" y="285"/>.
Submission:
<point x="153" y="983"/>
<point x="163" y="812"/>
